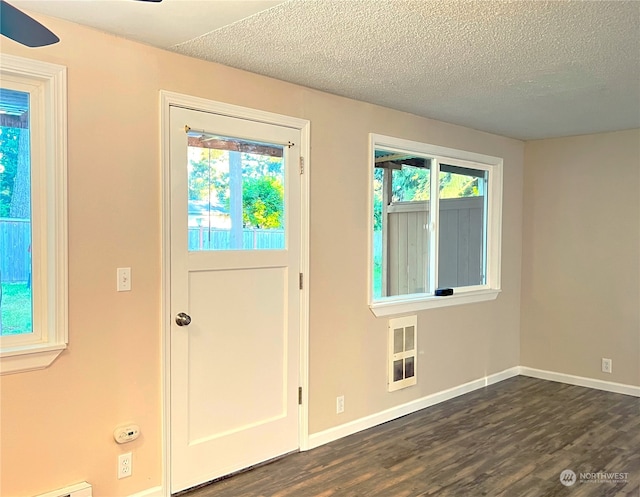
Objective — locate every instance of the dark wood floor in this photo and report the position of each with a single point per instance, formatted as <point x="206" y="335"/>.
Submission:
<point x="512" y="439"/>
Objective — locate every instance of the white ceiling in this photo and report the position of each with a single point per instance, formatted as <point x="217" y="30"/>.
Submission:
<point x="521" y="68"/>
<point x="162" y="24"/>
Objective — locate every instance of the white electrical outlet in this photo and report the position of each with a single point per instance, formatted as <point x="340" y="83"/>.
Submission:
<point x="340" y="404"/>
<point x="124" y="279"/>
<point x="125" y="467"/>
<point x="607" y="365"/>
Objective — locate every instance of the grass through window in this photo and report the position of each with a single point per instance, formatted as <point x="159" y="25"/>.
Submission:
<point x="16" y="309"/>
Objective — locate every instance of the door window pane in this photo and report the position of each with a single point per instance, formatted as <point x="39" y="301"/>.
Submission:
<point x="16" y="294"/>
<point x="236" y="194"/>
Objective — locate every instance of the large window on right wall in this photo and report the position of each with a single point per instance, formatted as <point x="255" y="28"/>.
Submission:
<point x="435" y="224"/>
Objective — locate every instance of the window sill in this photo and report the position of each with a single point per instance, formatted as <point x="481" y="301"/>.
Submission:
<point x="29" y="358"/>
<point x="423" y="302"/>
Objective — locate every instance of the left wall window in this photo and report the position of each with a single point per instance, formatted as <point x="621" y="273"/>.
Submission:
<point x="33" y="214"/>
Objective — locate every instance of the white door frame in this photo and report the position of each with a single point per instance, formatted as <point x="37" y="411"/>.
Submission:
<point x="170" y="99"/>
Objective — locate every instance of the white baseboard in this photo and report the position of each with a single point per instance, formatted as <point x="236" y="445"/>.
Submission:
<point x="337" y="432"/>
<point x="502" y="375"/>
<point x="150" y="492"/>
<point x="581" y="381"/>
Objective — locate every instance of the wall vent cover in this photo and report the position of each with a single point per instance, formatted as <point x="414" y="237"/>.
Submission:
<point x="403" y="357"/>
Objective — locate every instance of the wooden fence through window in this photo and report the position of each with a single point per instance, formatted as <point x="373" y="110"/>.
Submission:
<point x="15" y="250"/>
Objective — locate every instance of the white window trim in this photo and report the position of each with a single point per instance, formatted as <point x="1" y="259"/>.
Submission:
<point x="16" y="353"/>
<point x="401" y="304"/>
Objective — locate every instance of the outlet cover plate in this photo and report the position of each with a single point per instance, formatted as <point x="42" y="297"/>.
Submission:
<point x="125" y="469"/>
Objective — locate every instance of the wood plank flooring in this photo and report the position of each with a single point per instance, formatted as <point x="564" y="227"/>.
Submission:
<point x="512" y="439"/>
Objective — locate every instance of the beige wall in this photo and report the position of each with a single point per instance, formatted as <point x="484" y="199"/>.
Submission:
<point x="581" y="272"/>
<point x="57" y="423"/>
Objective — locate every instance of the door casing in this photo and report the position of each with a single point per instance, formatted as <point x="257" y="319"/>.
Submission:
<point x="167" y="100"/>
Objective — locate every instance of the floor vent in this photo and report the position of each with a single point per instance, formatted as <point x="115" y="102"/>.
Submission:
<point x="78" y="490"/>
<point x="403" y="365"/>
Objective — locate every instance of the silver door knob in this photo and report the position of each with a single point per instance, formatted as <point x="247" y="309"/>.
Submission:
<point x="183" y="319"/>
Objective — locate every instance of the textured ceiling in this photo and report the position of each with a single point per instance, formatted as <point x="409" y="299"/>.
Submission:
<point x="526" y="68"/>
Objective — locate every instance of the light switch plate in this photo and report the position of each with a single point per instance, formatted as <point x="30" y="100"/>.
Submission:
<point x="124" y="279"/>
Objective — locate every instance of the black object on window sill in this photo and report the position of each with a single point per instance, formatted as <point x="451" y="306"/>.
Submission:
<point x="444" y="292"/>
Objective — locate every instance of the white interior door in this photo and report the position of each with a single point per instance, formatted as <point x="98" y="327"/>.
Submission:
<point x="235" y="263"/>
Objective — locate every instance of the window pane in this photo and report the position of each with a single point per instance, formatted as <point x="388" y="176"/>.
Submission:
<point x="16" y="299"/>
<point x="462" y="248"/>
<point x="236" y="194"/>
<point x="378" y="178"/>
<point x="401" y="193"/>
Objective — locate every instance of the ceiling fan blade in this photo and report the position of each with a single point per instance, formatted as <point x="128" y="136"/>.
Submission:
<point x="18" y="26"/>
